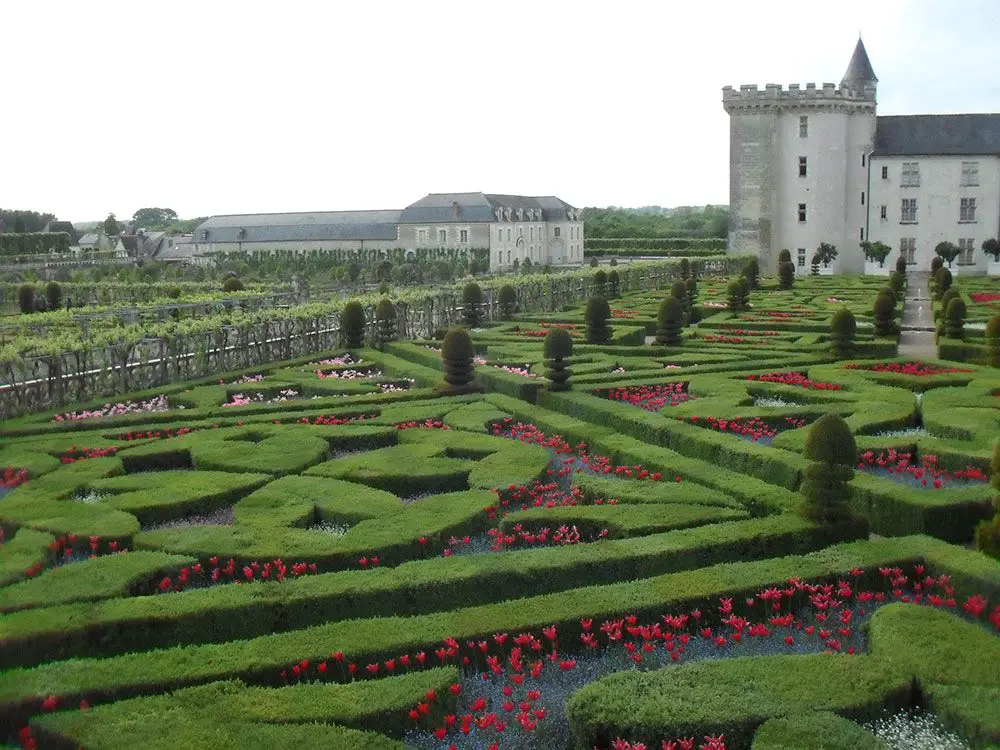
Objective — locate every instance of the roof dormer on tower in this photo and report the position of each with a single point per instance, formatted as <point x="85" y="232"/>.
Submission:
<point x="859" y="70"/>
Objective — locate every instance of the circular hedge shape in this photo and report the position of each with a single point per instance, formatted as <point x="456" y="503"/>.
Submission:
<point x="843" y="327"/>
<point x="507" y="301"/>
<point x="943" y="278"/>
<point x="456" y="354"/>
<point x="232" y="284"/>
<point x="558" y="344"/>
<point x="751" y="272"/>
<point x="669" y="322"/>
<point x="949" y="294"/>
<point x="352" y="325"/>
<point x="992" y="335"/>
<point x="830" y="441"/>
<point x="614" y="283"/>
<point x="679" y="290"/>
<point x="597" y="314"/>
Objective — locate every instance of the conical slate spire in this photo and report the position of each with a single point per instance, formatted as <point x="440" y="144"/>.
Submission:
<point x="859" y="69"/>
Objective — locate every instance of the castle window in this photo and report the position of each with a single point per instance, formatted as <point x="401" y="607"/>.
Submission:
<point x="802" y="213"/>
<point x="463" y="236"/>
<point x="862" y="197"/>
<point x="499" y="235"/>
<point x="908" y="211"/>
<point x="908" y="249"/>
<point x="965" y="245"/>
<point x="557" y="230"/>
<point x="803" y="126"/>
<point x="970" y="173"/>
<point x="421" y="236"/>
<point x="801" y="256"/>
<point x="508" y="235"/>
<point x="967" y="210"/>
<point x="442" y="237"/>
<point x="883" y="212"/>
<point x="802" y="166"/>
<point x="499" y="258"/>
<point x="911" y="174"/>
<point x="862" y="160"/>
<point x="885" y="173"/>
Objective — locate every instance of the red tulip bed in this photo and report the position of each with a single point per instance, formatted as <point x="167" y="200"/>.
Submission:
<point x="984" y="297"/>
<point x="544" y="328"/>
<point x="623" y="314"/>
<point x="798" y="379"/>
<point x="754" y="429"/>
<point x="649" y="397"/>
<point x="916" y="368"/>
<point x="925" y="473"/>
<point x="11" y="477"/>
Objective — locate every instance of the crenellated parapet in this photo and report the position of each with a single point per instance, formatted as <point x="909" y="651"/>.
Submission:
<point x="773" y="96"/>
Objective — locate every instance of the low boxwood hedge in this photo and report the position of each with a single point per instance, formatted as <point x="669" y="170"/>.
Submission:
<point x="816" y="730"/>
<point x="26" y="549"/>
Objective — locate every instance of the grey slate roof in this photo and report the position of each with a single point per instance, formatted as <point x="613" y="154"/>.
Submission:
<point x="89" y="240"/>
<point x="937" y="135"/>
<point x="859" y="69"/>
<point x="478" y="207"/>
<point x="298" y="227"/>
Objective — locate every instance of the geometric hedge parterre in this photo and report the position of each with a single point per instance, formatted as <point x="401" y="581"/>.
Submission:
<point x="335" y="552"/>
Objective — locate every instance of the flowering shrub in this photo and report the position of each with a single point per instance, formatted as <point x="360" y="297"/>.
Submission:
<point x="901" y="467"/>
<point x="797" y="379"/>
<point x="920" y="369"/>
<point x="985" y="297"/>
<point x="710" y="743"/>
<point x="754" y="428"/>
<point x="11" y="477"/>
<point x="649" y="397"/>
<point x="158" y="403"/>
<point x="199" y="576"/>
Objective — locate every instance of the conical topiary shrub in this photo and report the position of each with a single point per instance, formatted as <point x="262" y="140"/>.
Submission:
<point x="457" y="359"/>
<point x="556" y="348"/>
<point x="734" y="293"/>
<point x="786" y="274"/>
<point x="691" y="285"/>
<point x="942" y="281"/>
<point x="472" y="299"/>
<point x="507" y="301"/>
<point x="53" y="295"/>
<point x="785" y="256"/>
<point x="992" y="335"/>
<point x="600" y="283"/>
<point x="385" y="320"/>
<point x="669" y="322"/>
<point x="614" y="283"/>
<point x="843" y="326"/>
<point x="352" y="325"/>
<point x="949" y="294"/>
<point x="901" y="265"/>
<point x="679" y="290"/>
<point x="955" y="319"/>
<point x="598" y="314"/>
<point x="832" y="452"/>
<point x="751" y="272"/>
<point x="884" y="311"/>
<point x="897" y="281"/>
<point x="685" y="269"/>
<point x="26" y="298"/>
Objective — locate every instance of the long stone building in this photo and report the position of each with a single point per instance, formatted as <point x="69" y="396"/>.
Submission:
<point x="510" y="227"/>
<point x="816" y="164"/>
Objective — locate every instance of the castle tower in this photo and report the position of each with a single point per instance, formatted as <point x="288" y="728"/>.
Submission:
<point x="798" y="167"/>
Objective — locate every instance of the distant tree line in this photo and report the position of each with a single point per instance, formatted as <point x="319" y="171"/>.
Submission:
<point x="653" y="221"/>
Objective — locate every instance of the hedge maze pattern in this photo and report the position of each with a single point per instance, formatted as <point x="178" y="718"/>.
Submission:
<point x="338" y="552"/>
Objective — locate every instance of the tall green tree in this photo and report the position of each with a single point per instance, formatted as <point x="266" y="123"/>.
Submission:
<point x="111" y="228"/>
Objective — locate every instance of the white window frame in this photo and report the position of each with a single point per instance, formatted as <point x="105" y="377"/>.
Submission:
<point x="442" y="236"/>
<point x="463" y="236"/>
<point x="967" y="245"/>
<point x="967" y="211"/>
<point x="803" y="166"/>
<point x="908" y="247"/>
<point x="970" y="174"/>
<point x="801" y="257"/>
<point x="908" y="211"/>
<point x="910" y="174"/>
<point x="802" y="213"/>
<point x="803" y="126"/>
<point x="420" y="235"/>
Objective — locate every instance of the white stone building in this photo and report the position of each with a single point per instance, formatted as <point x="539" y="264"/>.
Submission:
<point x="510" y="227"/>
<point x="816" y="164"/>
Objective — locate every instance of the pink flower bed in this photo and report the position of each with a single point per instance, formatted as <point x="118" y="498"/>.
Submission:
<point x="797" y="379"/>
<point x="650" y="397"/>
<point x="159" y="403"/>
<point x="920" y="369"/>
<point x="985" y="297"/>
<point x="241" y="399"/>
<point x="754" y="428"/>
<point x="348" y="374"/>
<point x="12" y="477"/>
<point x="341" y="361"/>
<point x="925" y="473"/>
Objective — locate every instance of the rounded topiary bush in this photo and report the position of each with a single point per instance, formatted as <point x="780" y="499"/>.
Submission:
<point x="352" y="325"/>
<point x="691" y="285"/>
<point x="897" y="281"/>
<point x="992" y="335"/>
<point x="786" y="274"/>
<point x="942" y="279"/>
<point x="669" y="322"/>
<point x="832" y="452"/>
<point x="26" y="298"/>
<point x="614" y="282"/>
<point x="593" y="262"/>
<point x="937" y="263"/>
<point x="949" y="294"/>
<point x="507" y="301"/>
<point x="598" y="314"/>
<point x="472" y="299"/>
<point x="679" y="290"/>
<point x="955" y="319"/>
<point x="843" y="328"/>
<point x="785" y="256"/>
<point x="600" y="283"/>
<point x="232" y="284"/>
<point x="901" y="265"/>
<point x="734" y="293"/>
<point x="53" y="295"/>
<point x="385" y="320"/>
<point x="751" y="272"/>
<point x="172" y="292"/>
<point x="685" y="268"/>
<point x="884" y="311"/>
<point x="457" y="358"/>
<point x="556" y="348"/>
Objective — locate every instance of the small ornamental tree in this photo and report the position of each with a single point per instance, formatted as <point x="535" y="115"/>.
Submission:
<point x="832" y="452"/>
<point x="992" y="248"/>
<point x="943" y="280"/>
<point x="876" y="252"/>
<point x="885" y="322"/>
<point x="785" y="256"/>
<point x="472" y="298"/>
<point x="745" y="288"/>
<point x="988" y="532"/>
<point x="556" y="348"/>
<point x="26" y="298"/>
<point x="232" y="284"/>
<point x="843" y="326"/>
<point x="955" y="319"/>
<point x="172" y="292"/>
<point x="901" y="265"/>
<point x="992" y="335"/>
<point x="949" y="294"/>
<point x="593" y="262"/>
<point x="786" y="274"/>
<point x="825" y="255"/>
<point x="457" y="358"/>
<point x="692" y="299"/>
<point x="897" y="281"/>
<point x="53" y="295"/>
<point x="352" y="325"/>
<point x="669" y="322"/>
<point x="600" y="282"/>
<point x="947" y="251"/>
<point x="751" y="272"/>
<point x="598" y="314"/>
<point x="507" y="301"/>
<point x="734" y="292"/>
<point x="685" y="269"/>
<point x="385" y="321"/>
<point x="679" y="290"/>
<point x="526" y="267"/>
<point x="614" y="283"/>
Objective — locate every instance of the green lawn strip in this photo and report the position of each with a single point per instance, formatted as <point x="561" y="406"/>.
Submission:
<point x="973" y="711"/>
<point x="402" y="470"/>
<point x="474" y="417"/>
<point x="259" y="659"/>
<point x="815" y="730"/>
<point x="21" y="551"/>
<point x="303" y="501"/>
<point x="229" y="612"/>
<point x="620" y="521"/>
<point x="732" y="697"/>
<point x="380" y="705"/>
<point x="628" y="492"/>
<point x="89" y="580"/>
<point x="27" y="456"/>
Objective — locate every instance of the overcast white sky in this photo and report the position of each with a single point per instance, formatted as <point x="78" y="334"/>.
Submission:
<point x="215" y="107"/>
